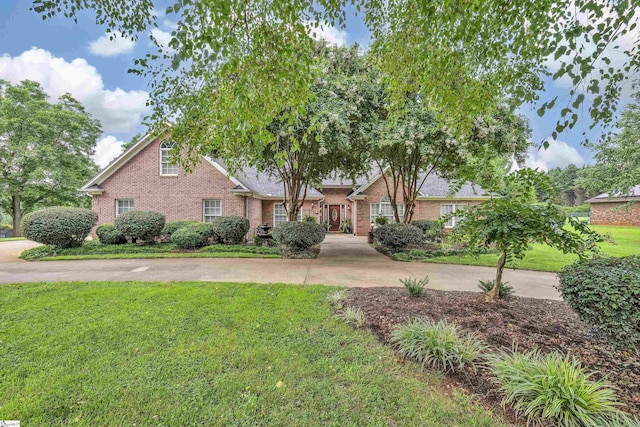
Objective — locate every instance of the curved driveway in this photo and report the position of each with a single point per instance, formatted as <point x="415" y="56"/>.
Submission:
<point x="344" y="261"/>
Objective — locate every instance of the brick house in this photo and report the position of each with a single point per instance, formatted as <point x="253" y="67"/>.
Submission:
<point x="143" y="178"/>
<point x="616" y="210"/>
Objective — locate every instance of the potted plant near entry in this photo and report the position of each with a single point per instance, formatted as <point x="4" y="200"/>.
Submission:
<point x="345" y="226"/>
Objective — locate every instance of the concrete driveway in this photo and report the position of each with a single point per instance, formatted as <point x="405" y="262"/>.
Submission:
<point x="343" y="261"/>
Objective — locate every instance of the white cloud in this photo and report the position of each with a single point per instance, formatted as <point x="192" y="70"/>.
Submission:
<point x="162" y="39"/>
<point x="332" y="35"/>
<point x="118" y="110"/>
<point x="105" y="46"/>
<point x="107" y="149"/>
<point x="559" y="154"/>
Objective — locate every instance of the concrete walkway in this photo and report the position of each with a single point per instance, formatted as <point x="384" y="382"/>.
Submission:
<point x="344" y="261"/>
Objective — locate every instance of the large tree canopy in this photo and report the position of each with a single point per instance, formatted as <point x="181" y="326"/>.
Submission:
<point x="240" y="62"/>
<point x="414" y="145"/>
<point x="330" y="137"/>
<point x="45" y="149"/>
<point x="617" y="168"/>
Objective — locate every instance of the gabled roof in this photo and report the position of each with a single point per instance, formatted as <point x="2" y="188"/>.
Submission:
<point x="118" y="162"/>
<point x="434" y="187"/>
<point x="633" y="195"/>
<point x="248" y="180"/>
<point x="261" y="183"/>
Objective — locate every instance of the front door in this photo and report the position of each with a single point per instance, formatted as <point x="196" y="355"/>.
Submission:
<point x="334" y="217"/>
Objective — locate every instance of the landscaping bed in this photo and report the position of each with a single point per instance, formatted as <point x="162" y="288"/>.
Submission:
<point x="196" y="353"/>
<point x="97" y="250"/>
<point x="523" y="322"/>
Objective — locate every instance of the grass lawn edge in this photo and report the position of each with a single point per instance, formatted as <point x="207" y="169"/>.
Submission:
<point x="159" y="255"/>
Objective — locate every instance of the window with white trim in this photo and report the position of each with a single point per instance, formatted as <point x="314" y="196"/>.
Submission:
<point x="449" y="208"/>
<point x="280" y="214"/>
<point x="385" y="209"/>
<point x="211" y="209"/>
<point x="123" y="206"/>
<point x="166" y="167"/>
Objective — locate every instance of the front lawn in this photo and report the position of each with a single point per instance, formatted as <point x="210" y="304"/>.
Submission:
<point x="184" y="354"/>
<point x="545" y="258"/>
<point x="96" y="250"/>
<point x="10" y="239"/>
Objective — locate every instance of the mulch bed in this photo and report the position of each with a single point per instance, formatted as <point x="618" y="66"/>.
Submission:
<point x="526" y="322"/>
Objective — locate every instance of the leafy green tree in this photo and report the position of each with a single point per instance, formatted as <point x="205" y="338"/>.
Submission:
<point x="135" y="138"/>
<point x="327" y="138"/>
<point x="45" y="149"/>
<point x="568" y="181"/>
<point x="617" y="168"/>
<point x="513" y="221"/>
<point x="243" y="62"/>
<point x="410" y="148"/>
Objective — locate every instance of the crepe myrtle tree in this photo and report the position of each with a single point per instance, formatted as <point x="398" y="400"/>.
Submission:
<point x="409" y="148"/>
<point x="328" y="138"/>
<point x="512" y="220"/>
<point x="235" y="65"/>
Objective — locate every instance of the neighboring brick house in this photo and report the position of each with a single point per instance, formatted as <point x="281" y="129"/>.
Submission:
<point x="143" y="178"/>
<point x="616" y="210"/>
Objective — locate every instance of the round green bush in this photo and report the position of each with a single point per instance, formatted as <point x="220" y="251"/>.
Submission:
<point x="398" y="236"/>
<point x="192" y="236"/>
<point x="382" y="220"/>
<point x="59" y="226"/>
<point x="605" y="292"/>
<point x="299" y="236"/>
<point x="172" y="226"/>
<point x="231" y="229"/>
<point x="140" y="225"/>
<point x="108" y="235"/>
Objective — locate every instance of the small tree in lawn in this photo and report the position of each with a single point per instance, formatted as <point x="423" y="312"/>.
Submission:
<point x="514" y="220"/>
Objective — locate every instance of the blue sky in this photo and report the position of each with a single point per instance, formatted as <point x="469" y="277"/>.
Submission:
<point x="77" y="58"/>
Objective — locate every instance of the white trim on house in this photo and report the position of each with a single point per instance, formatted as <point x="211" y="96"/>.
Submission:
<point x="129" y="208"/>
<point x="204" y="216"/>
<point x="163" y="149"/>
<point x="118" y="162"/>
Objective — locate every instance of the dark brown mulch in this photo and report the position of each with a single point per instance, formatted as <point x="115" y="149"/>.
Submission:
<point x="526" y="322"/>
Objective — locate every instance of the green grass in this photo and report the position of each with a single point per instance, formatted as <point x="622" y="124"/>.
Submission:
<point x="545" y="258"/>
<point x="183" y="354"/>
<point x="161" y="255"/>
<point x="96" y="250"/>
<point x="11" y="239"/>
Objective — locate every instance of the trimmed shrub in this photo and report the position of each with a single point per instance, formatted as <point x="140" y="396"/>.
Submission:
<point x="506" y="290"/>
<point x="309" y="218"/>
<point x="414" y="286"/>
<point x="382" y="220"/>
<point x="231" y="229"/>
<point x="59" y="226"/>
<point x="605" y="292"/>
<point x="398" y="236"/>
<point x="108" y="235"/>
<point x="298" y="236"/>
<point x="140" y="225"/>
<point x="172" y="226"/>
<point x="432" y="230"/>
<point x="192" y="236"/>
<point x="554" y="387"/>
<point x="437" y="345"/>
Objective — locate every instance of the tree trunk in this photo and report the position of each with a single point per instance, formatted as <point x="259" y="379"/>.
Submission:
<point x="17" y="215"/>
<point x="494" y="294"/>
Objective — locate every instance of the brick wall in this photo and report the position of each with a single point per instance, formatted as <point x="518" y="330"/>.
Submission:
<point x="424" y="209"/>
<point x="177" y="197"/>
<point x="309" y="207"/>
<point x="615" y="213"/>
